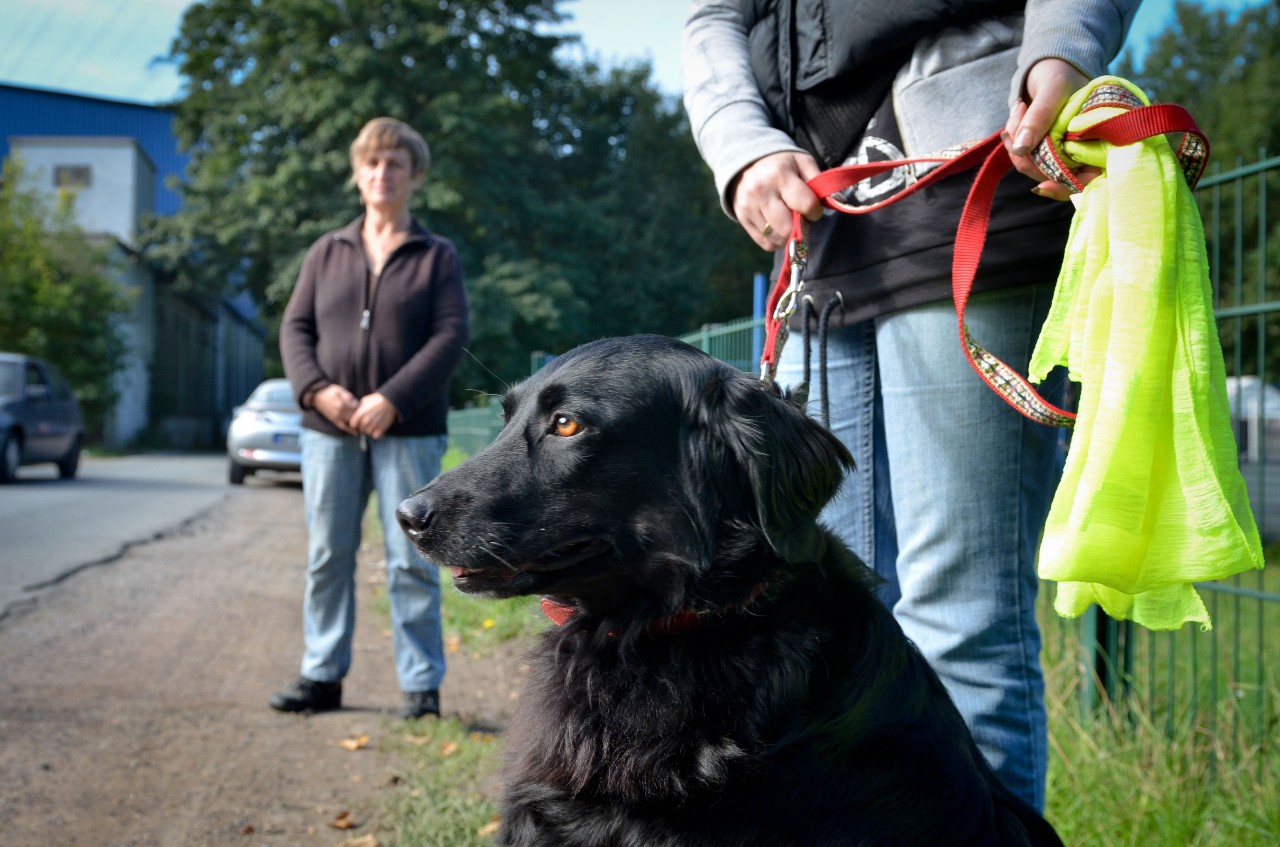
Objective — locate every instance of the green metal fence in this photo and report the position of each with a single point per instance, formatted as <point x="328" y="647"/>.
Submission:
<point x="471" y="429"/>
<point x="1217" y="685"/>
<point x="737" y="343"/>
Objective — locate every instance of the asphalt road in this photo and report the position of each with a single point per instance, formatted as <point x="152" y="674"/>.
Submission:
<point x="52" y="528"/>
<point x="133" y="696"/>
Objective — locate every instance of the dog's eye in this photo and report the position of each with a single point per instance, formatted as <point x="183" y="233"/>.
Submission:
<point x="565" y="426"/>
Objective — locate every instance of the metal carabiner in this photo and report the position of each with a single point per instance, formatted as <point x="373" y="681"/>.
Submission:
<point x="798" y="256"/>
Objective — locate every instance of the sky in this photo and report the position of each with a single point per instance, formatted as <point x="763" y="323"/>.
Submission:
<point x="111" y="48"/>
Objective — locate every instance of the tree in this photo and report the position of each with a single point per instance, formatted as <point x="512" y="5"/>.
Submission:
<point x="577" y="200"/>
<point x="1225" y="70"/>
<point x="57" y="299"/>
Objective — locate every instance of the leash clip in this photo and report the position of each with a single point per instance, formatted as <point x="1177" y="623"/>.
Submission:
<point x="788" y="299"/>
<point x="798" y="256"/>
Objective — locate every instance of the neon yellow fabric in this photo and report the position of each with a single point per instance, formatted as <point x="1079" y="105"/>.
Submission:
<point x="1151" y="498"/>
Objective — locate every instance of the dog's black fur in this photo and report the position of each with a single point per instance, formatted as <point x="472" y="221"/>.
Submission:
<point x="641" y="481"/>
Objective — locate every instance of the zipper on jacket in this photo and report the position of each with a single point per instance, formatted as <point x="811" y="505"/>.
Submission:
<point x="364" y="319"/>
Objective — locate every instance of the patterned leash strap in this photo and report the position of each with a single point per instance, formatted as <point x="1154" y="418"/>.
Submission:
<point x="1137" y="122"/>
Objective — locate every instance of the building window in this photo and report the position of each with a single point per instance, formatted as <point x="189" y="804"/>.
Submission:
<point x="72" y="176"/>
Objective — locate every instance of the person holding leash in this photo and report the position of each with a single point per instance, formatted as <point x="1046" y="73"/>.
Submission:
<point x="372" y="334"/>
<point x="951" y="486"/>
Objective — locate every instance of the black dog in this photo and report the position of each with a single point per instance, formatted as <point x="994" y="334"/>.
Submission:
<point x="723" y="674"/>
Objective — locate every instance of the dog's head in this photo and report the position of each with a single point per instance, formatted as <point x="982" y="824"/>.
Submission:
<point x="634" y="476"/>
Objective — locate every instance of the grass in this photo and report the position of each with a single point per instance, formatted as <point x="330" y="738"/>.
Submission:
<point x="1191" y="760"/>
<point x="444" y="797"/>
<point x="1189" y="756"/>
<point x="1118" y="782"/>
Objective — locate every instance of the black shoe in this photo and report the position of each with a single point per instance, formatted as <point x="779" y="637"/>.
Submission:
<point x="417" y="704"/>
<point x="307" y="695"/>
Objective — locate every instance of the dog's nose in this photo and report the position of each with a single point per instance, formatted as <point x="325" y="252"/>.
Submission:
<point x="414" y="515"/>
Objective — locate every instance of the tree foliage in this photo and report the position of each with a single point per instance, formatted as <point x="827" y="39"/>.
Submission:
<point x="57" y="298"/>
<point x="1225" y="69"/>
<point x="575" y="196"/>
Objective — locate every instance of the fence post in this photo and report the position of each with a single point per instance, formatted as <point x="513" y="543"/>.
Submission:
<point x="759" y="301"/>
<point x="1105" y="672"/>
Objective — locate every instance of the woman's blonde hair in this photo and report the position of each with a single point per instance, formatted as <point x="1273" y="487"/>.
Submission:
<point x="390" y="134"/>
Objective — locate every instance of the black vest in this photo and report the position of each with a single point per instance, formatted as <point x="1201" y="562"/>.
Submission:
<point x="824" y="66"/>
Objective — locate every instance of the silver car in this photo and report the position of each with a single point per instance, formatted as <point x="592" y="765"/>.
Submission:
<point x="264" y="432"/>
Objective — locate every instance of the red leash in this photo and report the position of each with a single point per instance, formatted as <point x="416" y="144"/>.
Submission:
<point x="971" y="233"/>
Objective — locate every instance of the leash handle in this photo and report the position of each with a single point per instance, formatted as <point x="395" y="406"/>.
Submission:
<point x="786" y="290"/>
<point x="1138" y="122"/>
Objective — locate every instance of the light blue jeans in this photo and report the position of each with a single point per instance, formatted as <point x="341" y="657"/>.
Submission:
<point x="337" y="478"/>
<point x="947" y="503"/>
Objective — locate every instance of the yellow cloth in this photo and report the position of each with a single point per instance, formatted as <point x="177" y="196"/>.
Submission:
<point x="1151" y="498"/>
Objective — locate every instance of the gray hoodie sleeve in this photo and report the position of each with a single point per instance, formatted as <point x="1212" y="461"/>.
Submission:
<point x="730" y="121"/>
<point x="1086" y="33"/>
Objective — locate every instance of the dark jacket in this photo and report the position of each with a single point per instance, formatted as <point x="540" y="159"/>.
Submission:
<point x="404" y="341"/>
<point x="831" y="39"/>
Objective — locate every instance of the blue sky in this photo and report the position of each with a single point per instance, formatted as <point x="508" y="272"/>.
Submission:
<point x="107" y="47"/>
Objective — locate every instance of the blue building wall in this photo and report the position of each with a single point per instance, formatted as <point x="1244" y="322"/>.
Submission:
<point x="33" y="111"/>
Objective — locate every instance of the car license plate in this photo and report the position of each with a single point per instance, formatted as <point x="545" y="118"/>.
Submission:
<point x="286" y="439"/>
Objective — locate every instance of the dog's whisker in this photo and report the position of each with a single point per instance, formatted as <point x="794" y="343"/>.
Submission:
<point x="505" y="385"/>
<point x="501" y="560"/>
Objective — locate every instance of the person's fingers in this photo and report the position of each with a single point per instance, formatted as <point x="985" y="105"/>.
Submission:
<point x="798" y="196"/>
<point x="1011" y="125"/>
<point x="337" y="405"/>
<point x="767" y="191"/>
<point x="1049" y="84"/>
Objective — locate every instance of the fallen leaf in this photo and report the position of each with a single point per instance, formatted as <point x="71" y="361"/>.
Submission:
<point x="452" y="643"/>
<point x="448" y="749"/>
<point x="354" y="744"/>
<point x="418" y="740"/>
<point x="362" y="841"/>
<point x="490" y="828"/>
<point x="344" y="820"/>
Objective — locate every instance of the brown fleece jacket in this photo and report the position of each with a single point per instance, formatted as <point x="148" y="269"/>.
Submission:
<point x="403" y="338"/>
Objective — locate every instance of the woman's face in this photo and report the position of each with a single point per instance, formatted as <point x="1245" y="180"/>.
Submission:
<point x="386" y="178"/>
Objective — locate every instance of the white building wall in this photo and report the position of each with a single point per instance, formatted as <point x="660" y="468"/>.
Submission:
<point x="112" y="179"/>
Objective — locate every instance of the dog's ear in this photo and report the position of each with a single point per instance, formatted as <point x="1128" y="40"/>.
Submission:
<point x="792" y="464"/>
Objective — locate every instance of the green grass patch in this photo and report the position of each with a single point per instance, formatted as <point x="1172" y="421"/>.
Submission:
<point x="1127" y="779"/>
<point x="1186" y="754"/>
<point x="443" y="799"/>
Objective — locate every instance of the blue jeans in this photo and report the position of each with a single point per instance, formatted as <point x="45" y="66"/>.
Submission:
<point x="337" y="478"/>
<point x="947" y="503"/>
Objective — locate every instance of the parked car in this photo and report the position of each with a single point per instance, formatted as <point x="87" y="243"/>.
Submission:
<point x="40" y="420"/>
<point x="264" y="432"/>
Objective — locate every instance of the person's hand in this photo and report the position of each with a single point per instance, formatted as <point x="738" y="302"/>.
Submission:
<point x="1050" y="82"/>
<point x="374" y="416"/>
<point x="768" y="190"/>
<point x="337" y="404"/>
